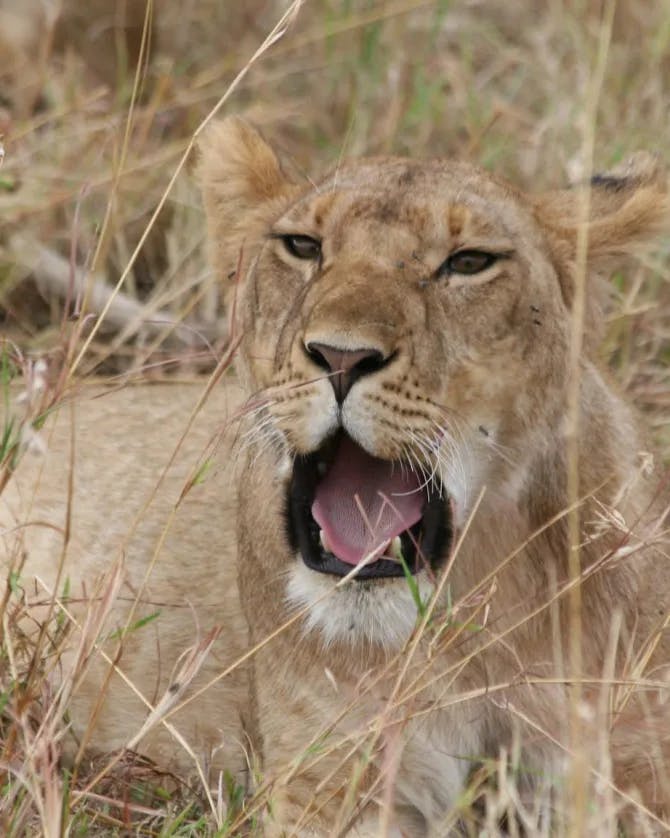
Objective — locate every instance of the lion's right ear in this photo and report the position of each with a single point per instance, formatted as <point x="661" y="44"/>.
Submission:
<point x="242" y="183"/>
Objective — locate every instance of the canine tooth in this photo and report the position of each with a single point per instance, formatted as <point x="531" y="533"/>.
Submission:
<point x="395" y="549"/>
<point x="323" y="538"/>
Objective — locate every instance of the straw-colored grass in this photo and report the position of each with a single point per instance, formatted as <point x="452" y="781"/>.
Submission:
<point x="103" y="267"/>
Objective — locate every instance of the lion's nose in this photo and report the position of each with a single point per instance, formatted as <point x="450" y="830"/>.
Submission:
<point x="345" y="366"/>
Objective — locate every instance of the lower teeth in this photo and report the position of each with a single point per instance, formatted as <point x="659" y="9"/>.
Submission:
<point x="323" y="538"/>
<point x="395" y="550"/>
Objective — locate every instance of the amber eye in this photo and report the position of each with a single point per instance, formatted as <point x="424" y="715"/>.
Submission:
<point x="467" y="262"/>
<point x="302" y="247"/>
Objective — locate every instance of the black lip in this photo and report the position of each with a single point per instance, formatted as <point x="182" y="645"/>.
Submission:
<point x="433" y="533"/>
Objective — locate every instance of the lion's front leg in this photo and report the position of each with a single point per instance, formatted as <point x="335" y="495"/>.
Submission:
<point x="324" y="787"/>
<point x="336" y="769"/>
<point x="320" y="755"/>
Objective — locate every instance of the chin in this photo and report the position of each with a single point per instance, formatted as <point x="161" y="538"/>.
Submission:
<point x="380" y="613"/>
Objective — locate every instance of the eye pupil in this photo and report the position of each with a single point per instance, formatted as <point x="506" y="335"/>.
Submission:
<point x="302" y="247"/>
<point x="467" y="262"/>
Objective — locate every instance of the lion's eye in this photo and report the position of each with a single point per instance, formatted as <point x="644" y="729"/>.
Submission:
<point x="302" y="247"/>
<point x="467" y="262"/>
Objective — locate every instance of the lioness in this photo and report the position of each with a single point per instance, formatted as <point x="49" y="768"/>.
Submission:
<point x="401" y="571"/>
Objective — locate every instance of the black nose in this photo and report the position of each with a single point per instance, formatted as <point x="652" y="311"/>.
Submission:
<point x="345" y="366"/>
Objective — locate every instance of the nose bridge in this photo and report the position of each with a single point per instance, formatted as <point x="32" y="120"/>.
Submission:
<point x="355" y="306"/>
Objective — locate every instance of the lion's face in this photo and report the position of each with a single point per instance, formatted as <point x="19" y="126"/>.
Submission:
<point x="405" y="340"/>
<point x="412" y="307"/>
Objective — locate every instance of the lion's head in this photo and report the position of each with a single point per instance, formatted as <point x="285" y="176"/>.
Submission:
<point x="406" y="333"/>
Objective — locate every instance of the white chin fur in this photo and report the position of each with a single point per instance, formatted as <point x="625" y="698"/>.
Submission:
<point x="379" y="612"/>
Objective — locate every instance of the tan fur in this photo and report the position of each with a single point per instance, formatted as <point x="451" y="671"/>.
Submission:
<point x="107" y="494"/>
<point x="342" y="713"/>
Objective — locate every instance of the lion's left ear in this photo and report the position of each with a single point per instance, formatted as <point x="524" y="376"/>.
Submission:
<point x="627" y="207"/>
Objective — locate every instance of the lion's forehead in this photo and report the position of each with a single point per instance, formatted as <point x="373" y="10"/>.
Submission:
<point x="404" y="205"/>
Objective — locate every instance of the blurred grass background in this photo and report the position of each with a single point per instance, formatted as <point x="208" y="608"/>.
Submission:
<point x="501" y="83"/>
<point x="86" y="163"/>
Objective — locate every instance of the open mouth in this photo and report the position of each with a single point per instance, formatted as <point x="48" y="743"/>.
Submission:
<point x="348" y="509"/>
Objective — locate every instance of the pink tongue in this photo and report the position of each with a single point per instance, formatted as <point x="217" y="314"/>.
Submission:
<point x="391" y="498"/>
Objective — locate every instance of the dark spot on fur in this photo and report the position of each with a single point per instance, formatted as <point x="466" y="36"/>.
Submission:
<point x="174" y="687"/>
<point x="537" y="322"/>
<point x="536" y="309"/>
<point x="615" y="184"/>
<point x="406" y="178"/>
<point x="400" y="264"/>
<point x="362" y="209"/>
<point x="387" y="213"/>
<point x="483" y="430"/>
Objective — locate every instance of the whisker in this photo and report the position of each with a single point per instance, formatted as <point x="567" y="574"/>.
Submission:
<point x="458" y="422"/>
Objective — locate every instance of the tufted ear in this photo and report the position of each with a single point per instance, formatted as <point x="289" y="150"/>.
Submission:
<point x="627" y="207"/>
<point x="243" y="185"/>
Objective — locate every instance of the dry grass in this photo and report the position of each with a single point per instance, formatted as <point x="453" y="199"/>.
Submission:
<point x="97" y="121"/>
